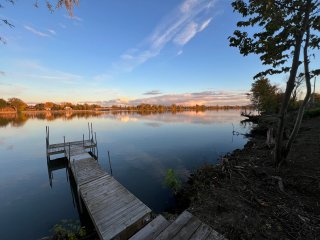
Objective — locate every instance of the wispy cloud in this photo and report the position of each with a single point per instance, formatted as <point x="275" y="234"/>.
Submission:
<point x="189" y="99"/>
<point x="53" y="32"/>
<point x="74" y="17"/>
<point x="179" y="27"/>
<point x="49" y="32"/>
<point x="36" y="32"/>
<point x="9" y="90"/>
<point x="33" y="70"/>
<point x="179" y="53"/>
<point x="205" y="24"/>
<point x="153" y="92"/>
<point x="62" y="25"/>
<point x="2" y="73"/>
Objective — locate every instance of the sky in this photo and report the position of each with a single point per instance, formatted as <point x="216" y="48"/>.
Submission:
<point x="125" y="52"/>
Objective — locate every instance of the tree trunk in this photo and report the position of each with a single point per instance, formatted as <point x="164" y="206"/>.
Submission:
<point x="297" y="124"/>
<point x="279" y="153"/>
<point x="280" y="148"/>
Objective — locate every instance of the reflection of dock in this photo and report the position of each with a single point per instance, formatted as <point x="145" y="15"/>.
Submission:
<point x="115" y="212"/>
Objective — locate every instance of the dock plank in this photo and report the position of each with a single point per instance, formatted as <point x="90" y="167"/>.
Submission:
<point x="112" y="208"/>
<point x="175" y="227"/>
<point x="201" y="233"/>
<point x="153" y="229"/>
<point x="188" y="229"/>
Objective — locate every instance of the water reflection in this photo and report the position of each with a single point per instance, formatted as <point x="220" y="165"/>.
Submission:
<point x="154" y="118"/>
<point x="143" y="146"/>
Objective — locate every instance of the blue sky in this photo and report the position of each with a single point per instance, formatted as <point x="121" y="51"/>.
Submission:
<point x="125" y="52"/>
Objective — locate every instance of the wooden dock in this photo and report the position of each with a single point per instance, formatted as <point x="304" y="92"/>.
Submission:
<point x="115" y="212"/>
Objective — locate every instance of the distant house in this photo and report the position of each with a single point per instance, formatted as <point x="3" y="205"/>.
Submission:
<point x="68" y="108"/>
<point x="30" y="108"/>
<point x="47" y="109"/>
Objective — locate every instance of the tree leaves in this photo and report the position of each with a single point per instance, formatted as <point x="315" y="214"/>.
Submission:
<point x="278" y="24"/>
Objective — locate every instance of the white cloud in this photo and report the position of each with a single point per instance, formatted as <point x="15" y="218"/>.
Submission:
<point x="74" y="17"/>
<point x="179" y="53"/>
<point x="187" y="5"/>
<point x="205" y="24"/>
<point x="189" y="99"/>
<point x="186" y="34"/>
<point x="179" y="27"/>
<point x="32" y="70"/>
<point x="36" y="32"/>
<point x="53" y="32"/>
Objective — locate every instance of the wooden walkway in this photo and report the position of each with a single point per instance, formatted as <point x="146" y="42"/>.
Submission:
<point x="185" y="227"/>
<point x="115" y="212"/>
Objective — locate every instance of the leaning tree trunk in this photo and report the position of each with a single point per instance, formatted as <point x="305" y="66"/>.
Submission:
<point x="297" y="124"/>
<point x="279" y="153"/>
<point x="280" y="148"/>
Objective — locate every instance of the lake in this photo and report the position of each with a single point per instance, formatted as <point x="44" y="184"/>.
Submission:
<point x="142" y="146"/>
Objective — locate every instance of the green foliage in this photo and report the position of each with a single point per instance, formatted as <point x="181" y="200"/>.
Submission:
<point x="17" y="103"/>
<point x="279" y="25"/>
<point x="264" y="96"/>
<point x="172" y="181"/>
<point x="3" y="103"/>
<point x="311" y="113"/>
<point x="68" y="230"/>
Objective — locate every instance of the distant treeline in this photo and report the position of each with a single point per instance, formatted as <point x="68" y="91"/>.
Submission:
<point x="18" y="105"/>
<point x="173" y="108"/>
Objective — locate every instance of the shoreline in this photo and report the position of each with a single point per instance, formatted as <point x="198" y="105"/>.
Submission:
<point x="244" y="197"/>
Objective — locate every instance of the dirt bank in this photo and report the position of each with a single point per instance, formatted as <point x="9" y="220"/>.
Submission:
<point x="244" y="197"/>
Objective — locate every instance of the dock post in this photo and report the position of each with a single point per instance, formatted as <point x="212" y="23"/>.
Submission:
<point x="95" y="136"/>
<point x="83" y="140"/>
<point x="47" y="141"/>
<point x="89" y="130"/>
<point x="69" y="155"/>
<point x="91" y="133"/>
<point x="64" y="146"/>
<point x="110" y="163"/>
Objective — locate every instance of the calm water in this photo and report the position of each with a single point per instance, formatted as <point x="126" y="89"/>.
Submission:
<point x="142" y="148"/>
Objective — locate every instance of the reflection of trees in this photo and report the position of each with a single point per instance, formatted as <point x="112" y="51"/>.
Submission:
<point x="15" y="119"/>
<point x="18" y="120"/>
<point x="207" y="117"/>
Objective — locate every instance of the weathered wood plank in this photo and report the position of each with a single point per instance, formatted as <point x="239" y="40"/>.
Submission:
<point x="214" y="235"/>
<point x="124" y="220"/>
<point x="111" y="206"/>
<point x="153" y="229"/>
<point x="201" y="233"/>
<point x="188" y="229"/>
<point x="175" y="227"/>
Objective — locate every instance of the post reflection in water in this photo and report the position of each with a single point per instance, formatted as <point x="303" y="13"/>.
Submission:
<point x="62" y="163"/>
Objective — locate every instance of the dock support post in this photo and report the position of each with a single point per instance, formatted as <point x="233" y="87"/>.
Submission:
<point x="110" y="163"/>
<point x="69" y="155"/>
<point x="91" y="133"/>
<point x="95" y="136"/>
<point x="83" y="140"/>
<point x="64" y="146"/>
<point x="89" y="130"/>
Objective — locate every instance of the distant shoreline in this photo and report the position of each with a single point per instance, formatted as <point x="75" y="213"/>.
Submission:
<point x="117" y="110"/>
